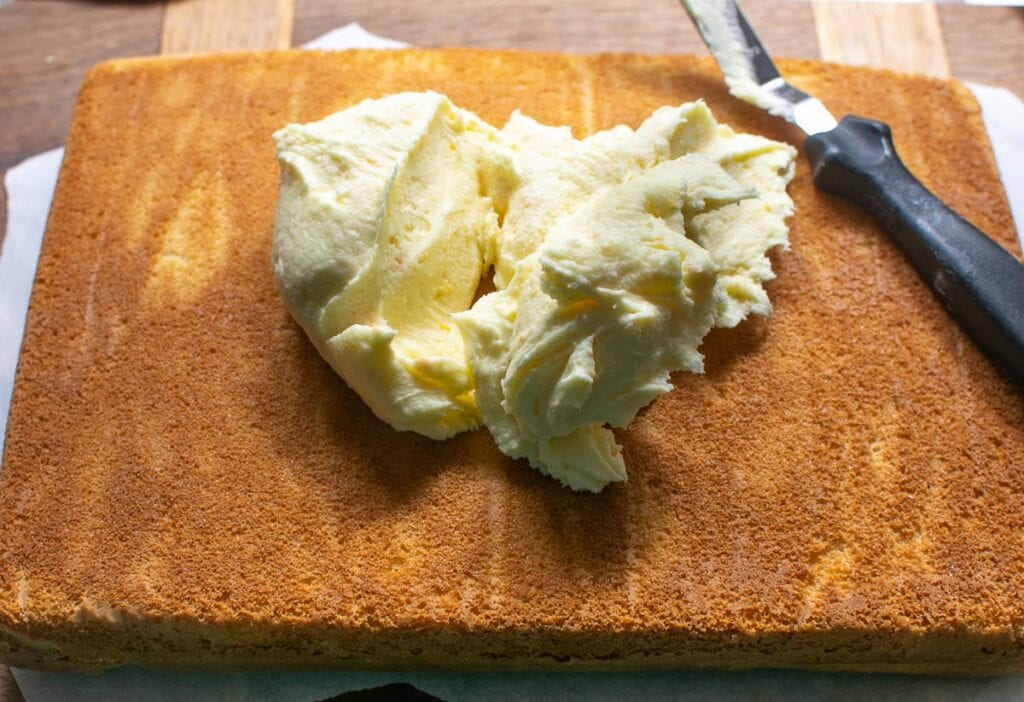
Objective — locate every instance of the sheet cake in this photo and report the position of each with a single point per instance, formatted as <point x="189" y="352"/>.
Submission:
<point x="186" y="483"/>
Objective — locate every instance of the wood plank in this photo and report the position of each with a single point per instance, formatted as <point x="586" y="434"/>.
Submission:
<point x="903" y="37"/>
<point x="45" y="50"/>
<point x="199" y="26"/>
<point x="582" y="26"/>
<point x="985" y="44"/>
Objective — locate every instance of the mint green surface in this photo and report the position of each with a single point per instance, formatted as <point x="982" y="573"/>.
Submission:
<point x="761" y="685"/>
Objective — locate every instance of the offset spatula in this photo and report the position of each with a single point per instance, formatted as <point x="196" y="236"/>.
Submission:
<point x="980" y="284"/>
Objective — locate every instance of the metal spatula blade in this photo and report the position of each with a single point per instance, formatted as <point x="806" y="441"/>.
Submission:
<point x="748" y="69"/>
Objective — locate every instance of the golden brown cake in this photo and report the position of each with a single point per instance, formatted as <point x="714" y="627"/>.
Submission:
<point x="187" y="484"/>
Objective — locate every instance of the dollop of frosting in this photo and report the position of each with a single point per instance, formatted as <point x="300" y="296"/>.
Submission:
<point x="387" y="217"/>
<point x="612" y="257"/>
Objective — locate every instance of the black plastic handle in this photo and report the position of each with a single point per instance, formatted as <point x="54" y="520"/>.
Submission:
<point x="980" y="284"/>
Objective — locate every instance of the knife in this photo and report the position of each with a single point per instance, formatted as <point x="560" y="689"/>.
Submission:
<point x="978" y="282"/>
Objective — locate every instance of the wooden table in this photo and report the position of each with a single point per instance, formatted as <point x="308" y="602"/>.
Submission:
<point x="46" y="46"/>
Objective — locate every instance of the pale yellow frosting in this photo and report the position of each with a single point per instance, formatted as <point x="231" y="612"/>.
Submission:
<point x="613" y="256"/>
<point x="386" y="219"/>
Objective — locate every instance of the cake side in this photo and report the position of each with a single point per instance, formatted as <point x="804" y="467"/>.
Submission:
<point x="186" y="483"/>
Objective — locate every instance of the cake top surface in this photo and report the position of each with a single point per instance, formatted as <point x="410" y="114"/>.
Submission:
<point x="178" y="449"/>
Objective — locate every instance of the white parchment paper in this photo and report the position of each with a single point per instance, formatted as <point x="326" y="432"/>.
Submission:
<point x="30" y="187"/>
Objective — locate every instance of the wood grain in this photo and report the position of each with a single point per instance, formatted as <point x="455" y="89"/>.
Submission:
<point x="200" y="26"/>
<point x="903" y="37"/>
<point x="985" y="44"/>
<point x="582" y="26"/>
<point x="45" y="50"/>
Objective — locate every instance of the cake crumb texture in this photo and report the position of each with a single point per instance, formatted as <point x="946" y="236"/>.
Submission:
<point x="186" y="484"/>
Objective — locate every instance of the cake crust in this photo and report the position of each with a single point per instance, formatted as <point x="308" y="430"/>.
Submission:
<point x="186" y="484"/>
